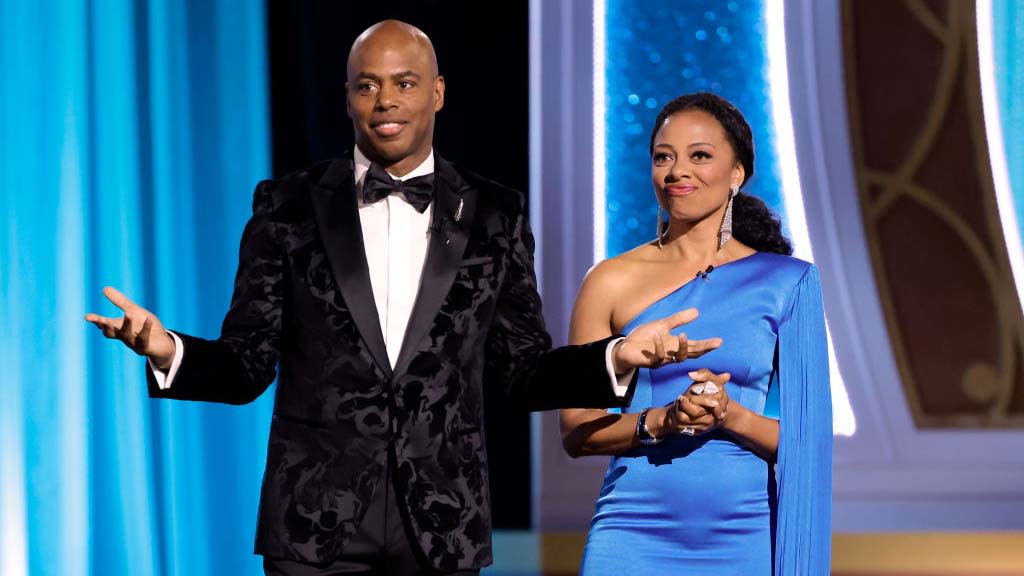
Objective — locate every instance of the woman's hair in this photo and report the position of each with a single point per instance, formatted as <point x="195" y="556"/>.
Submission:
<point x="753" y="223"/>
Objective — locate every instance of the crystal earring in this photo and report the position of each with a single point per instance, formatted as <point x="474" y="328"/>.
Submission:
<point x="661" y="228"/>
<point x="725" y="232"/>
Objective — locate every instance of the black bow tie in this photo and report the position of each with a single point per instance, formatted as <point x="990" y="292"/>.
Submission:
<point x="378" y="184"/>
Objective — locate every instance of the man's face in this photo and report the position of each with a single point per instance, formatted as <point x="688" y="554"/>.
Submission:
<point x="392" y="94"/>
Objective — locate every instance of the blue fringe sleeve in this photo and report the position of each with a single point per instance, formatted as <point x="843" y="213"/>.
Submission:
<point x="803" y="536"/>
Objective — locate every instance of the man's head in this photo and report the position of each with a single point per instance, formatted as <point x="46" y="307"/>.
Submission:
<point x="392" y="94"/>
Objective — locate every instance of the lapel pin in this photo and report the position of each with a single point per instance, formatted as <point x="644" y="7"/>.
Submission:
<point x="458" y="211"/>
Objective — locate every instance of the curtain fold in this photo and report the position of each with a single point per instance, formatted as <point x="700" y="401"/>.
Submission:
<point x="131" y="136"/>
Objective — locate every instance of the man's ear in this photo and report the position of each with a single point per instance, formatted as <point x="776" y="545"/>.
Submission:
<point x="438" y="93"/>
<point x="348" y="105"/>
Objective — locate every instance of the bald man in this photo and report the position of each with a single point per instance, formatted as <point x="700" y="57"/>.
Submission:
<point x="388" y="285"/>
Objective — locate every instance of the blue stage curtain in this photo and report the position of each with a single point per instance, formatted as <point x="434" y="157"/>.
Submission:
<point x="131" y="136"/>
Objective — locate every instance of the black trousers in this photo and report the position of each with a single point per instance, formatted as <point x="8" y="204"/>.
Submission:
<point x="382" y="546"/>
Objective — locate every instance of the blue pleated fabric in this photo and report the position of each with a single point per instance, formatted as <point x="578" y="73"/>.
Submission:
<point x="708" y="505"/>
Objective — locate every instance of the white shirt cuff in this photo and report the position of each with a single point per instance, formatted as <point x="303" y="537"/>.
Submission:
<point x="163" y="381"/>
<point x="620" y="384"/>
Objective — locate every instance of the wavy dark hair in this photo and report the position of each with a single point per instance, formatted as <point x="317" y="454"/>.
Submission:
<point x="753" y="223"/>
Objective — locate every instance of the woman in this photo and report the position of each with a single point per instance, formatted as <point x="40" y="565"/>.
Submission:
<point x="720" y="465"/>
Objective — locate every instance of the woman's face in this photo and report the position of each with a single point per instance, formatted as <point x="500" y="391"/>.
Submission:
<point x="693" y="166"/>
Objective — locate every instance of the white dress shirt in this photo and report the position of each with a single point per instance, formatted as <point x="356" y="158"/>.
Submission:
<point x="395" y="237"/>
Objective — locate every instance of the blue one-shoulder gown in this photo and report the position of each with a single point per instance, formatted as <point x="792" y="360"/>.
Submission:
<point x="708" y="505"/>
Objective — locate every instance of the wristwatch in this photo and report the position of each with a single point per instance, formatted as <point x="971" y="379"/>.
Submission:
<point x="642" y="433"/>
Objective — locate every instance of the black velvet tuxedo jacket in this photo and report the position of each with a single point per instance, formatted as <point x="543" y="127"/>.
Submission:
<point x="303" y="301"/>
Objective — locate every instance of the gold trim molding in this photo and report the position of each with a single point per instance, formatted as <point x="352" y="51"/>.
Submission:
<point x="929" y="208"/>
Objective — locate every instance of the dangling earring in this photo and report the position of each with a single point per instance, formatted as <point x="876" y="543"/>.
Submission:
<point x="662" y="228"/>
<point x="725" y="232"/>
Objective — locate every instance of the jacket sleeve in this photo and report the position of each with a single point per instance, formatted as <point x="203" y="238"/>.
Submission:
<point x="237" y="367"/>
<point x="519" y="354"/>
<point x="804" y="470"/>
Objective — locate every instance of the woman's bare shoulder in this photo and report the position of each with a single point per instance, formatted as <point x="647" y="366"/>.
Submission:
<point x="619" y="272"/>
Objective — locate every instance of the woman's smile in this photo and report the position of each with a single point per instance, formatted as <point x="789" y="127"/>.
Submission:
<point x="675" y="190"/>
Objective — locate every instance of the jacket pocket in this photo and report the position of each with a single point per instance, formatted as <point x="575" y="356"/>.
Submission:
<point x="477" y="260"/>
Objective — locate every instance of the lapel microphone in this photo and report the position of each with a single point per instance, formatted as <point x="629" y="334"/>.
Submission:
<point x="442" y="230"/>
<point x="704" y="274"/>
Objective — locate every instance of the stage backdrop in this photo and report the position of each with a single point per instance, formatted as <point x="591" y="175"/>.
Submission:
<point x="131" y="135"/>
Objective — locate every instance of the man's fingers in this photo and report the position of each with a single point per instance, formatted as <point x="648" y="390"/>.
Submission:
<point x="142" y="338"/>
<point x="102" y="321"/>
<point x="659" y="349"/>
<point x="126" y="333"/>
<point x="118" y="299"/>
<point x="698" y="348"/>
<point x="682" y="351"/>
<point x="109" y="329"/>
<point x="680" y="318"/>
<point x="109" y="326"/>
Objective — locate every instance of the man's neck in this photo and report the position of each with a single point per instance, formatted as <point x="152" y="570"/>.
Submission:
<point x="402" y="167"/>
<point x="362" y="164"/>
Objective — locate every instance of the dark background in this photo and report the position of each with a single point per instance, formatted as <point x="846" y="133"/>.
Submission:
<point x="483" y="53"/>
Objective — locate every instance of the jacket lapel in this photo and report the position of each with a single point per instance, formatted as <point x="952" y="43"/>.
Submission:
<point x="337" y="217"/>
<point x="448" y="237"/>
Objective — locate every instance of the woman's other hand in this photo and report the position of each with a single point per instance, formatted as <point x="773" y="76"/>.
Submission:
<point x="701" y="409"/>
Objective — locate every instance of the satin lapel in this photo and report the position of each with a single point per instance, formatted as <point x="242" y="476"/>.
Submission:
<point x="337" y="217"/>
<point x="448" y="239"/>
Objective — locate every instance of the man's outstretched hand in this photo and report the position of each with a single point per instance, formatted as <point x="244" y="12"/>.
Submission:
<point x="139" y="329"/>
<point x="652" y="344"/>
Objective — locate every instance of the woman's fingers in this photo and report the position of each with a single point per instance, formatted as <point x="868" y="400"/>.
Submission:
<point x="697" y="425"/>
<point x="700" y="376"/>
<point x="704" y="423"/>
<point x="722" y="409"/>
<point x="707" y="401"/>
<point x="685" y="417"/>
<point x="690" y="411"/>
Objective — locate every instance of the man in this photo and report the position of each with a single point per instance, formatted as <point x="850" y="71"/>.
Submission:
<point x="387" y="286"/>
